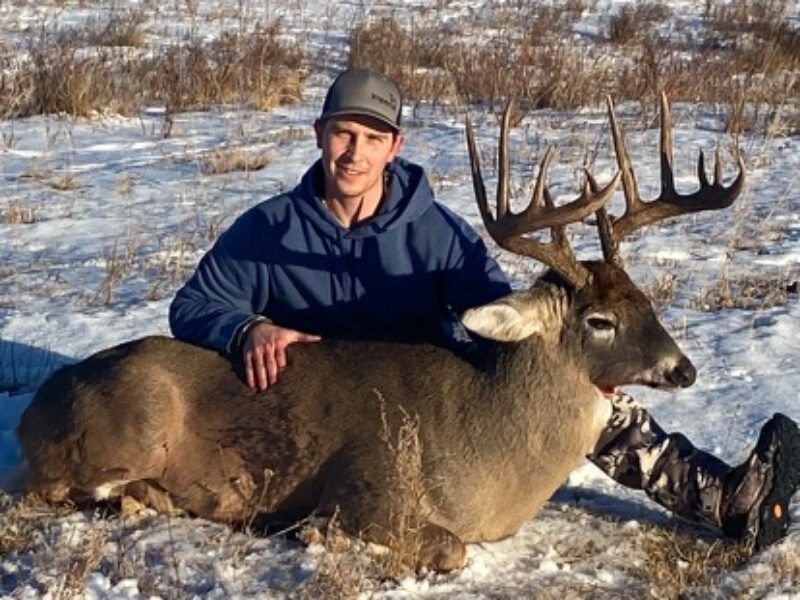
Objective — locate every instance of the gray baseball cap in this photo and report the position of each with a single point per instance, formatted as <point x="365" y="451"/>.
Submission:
<point x="364" y="92"/>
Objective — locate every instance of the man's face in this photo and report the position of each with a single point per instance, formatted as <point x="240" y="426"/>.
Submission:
<point x="355" y="151"/>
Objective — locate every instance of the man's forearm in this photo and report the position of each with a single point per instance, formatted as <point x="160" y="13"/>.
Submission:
<point x="205" y="325"/>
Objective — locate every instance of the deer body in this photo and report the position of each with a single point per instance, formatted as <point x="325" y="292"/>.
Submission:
<point x="497" y="439"/>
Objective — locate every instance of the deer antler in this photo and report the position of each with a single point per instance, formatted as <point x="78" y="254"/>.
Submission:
<point x="638" y="213"/>
<point x="508" y="228"/>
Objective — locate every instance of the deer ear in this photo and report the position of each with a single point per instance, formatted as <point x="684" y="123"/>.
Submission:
<point x="501" y="321"/>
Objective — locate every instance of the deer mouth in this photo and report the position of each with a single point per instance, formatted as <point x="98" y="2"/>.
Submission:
<point x="679" y="377"/>
<point x="682" y="375"/>
<point x="670" y="374"/>
<point x="608" y="391"/>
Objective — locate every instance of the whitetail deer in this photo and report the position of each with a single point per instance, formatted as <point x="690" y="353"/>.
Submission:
<point x="173" y="424"/>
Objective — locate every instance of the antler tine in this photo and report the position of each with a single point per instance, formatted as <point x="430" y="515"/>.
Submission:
<point x="638" y="213"/>
<point x="608" y="244"/>
<point x="508" y="229"/>
<point x="502" y="159"/>
<point x="667" y="176"/>
<point x="632" y="199"/>
<point x="477" y="179"/>
<point x="541" y="195"/>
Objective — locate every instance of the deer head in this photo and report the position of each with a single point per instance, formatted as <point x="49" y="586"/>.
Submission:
<point x="609" y="319"/>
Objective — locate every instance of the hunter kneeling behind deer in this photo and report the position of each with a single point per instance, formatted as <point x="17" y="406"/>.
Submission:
<point x="359" y="249"/>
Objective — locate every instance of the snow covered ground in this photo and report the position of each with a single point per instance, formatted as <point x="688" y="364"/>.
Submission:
<point x="100" y="260"/>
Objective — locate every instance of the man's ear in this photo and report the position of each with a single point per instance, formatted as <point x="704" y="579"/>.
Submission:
<point x="319" y="127"/>
<point x="399" y="140"/>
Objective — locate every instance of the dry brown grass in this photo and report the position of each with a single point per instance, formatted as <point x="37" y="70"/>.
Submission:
<point x="118" y="30"/>
<point x="20" y="213"/>
<point x="28" y="525"/>
<point x="61" y="552"/>
<point x="118" y="263"/>
<point x="95" y="70"/>
<point x="662" y="291"/>
<point x="401" y="54"/>
<point x="787" y="563"/>
<point x="165" y="269"/>
<point x="344" y="570"/>
<point x="440" y="66"/>
<point x="680" y="566"/>
<point x="405" y="478"/>
<point x="634" y="22"/>
<point x="535" y="57"/>
<point x="20" y="523"/>
<point x="256" y="69"/>
<point x="79" y="560"/>
<point x="748" y="291"/>
<point x="742" y="62"/>
<point x="65" y="181"/>
<point x="230" y="160"/>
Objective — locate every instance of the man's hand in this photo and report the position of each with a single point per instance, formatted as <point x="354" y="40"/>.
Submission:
<point x="264" y="353"/>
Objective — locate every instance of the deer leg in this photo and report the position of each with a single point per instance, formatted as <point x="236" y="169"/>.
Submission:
<point x="440" y="550"/>
<point x="428" y="546"/>
<point x="143" y="493"/>
<point x="420" y="545"/>
<point x="367" y="505"/>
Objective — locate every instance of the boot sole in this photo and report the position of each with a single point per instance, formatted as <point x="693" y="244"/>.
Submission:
<point x="773" y="514"/>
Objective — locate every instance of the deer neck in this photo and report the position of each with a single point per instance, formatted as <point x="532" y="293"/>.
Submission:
<point x="514" y="370"/>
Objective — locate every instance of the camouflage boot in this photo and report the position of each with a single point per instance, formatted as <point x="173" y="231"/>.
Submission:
<point x="748" y="502"/>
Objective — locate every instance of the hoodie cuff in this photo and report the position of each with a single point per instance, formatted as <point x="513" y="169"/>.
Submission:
<point x="240" y="337"/>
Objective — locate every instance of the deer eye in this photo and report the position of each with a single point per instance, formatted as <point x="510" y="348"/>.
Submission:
<point x="600" y="323"/>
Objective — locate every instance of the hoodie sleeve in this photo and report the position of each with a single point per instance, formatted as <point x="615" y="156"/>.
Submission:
<point x="226" y="290"/>
<point x="472" y="277"/>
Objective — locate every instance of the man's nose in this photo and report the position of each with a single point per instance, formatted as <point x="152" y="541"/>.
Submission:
<point x="355" y="147"/>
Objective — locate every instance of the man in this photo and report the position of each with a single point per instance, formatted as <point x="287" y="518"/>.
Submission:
<point x="361" y="249"/>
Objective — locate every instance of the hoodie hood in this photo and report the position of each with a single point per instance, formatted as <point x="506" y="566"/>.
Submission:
<point x="408" y="195"/>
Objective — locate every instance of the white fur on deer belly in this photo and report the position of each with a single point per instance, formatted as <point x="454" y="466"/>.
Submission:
<point x="103" y="492"/>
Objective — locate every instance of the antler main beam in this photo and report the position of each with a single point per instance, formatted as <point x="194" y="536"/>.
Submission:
<point x="508" y="228"/>
<point x="638" y="213"/>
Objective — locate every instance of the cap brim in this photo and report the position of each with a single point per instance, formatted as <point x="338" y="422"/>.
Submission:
<point x="361" y="112"/>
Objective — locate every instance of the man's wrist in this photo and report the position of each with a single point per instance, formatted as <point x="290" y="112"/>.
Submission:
<point x="245" y="329"/>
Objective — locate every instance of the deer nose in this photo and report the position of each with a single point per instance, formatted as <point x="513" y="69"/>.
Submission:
<point x="683" y="374"/>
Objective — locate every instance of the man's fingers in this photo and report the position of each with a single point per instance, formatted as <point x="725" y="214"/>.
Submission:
<point x="265" y="355"/>
<point x="249" y="374"/>
<point x="280" y="356"/>
<point x="307" y="337"/>
<point x="262" y="375"/>
<point x="271" y="366"/>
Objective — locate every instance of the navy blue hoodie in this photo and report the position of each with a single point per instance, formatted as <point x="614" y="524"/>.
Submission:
<point x="397" y="274"/>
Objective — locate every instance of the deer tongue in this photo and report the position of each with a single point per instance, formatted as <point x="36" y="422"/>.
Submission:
<point x="609" y="391"/>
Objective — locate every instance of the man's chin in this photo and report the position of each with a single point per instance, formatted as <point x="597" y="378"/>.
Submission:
<point x="350" y="188"/>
